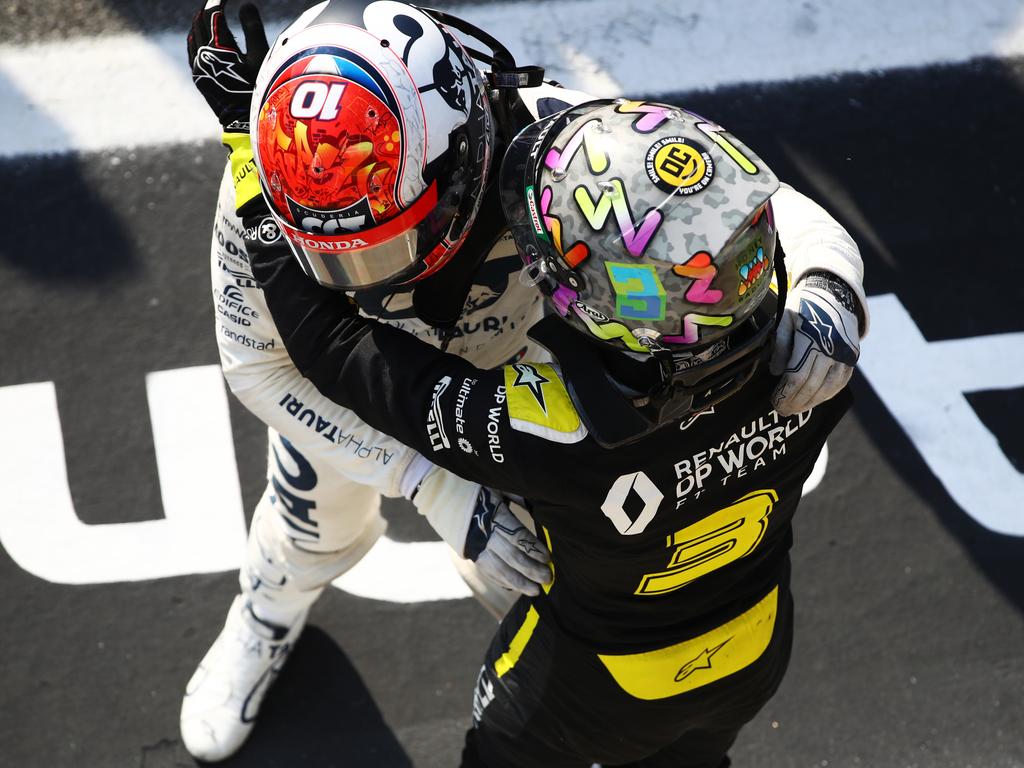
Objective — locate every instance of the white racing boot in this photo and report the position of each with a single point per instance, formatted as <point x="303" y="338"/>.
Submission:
<point x="224" y="695"/>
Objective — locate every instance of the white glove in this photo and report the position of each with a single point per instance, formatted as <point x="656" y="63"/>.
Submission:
<point x="816" y="345"/>
<point x="477" y="523"/>
<point x="504" y="549"/>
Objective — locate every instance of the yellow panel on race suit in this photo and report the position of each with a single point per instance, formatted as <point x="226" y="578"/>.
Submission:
<point x="539" y="404"/>
<point x="701" y="660"/>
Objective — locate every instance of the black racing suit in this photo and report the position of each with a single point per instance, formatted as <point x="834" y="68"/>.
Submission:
<point x="667" y="625"/>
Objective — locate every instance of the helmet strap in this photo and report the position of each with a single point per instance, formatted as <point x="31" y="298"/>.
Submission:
<point x="781" y="280"/>
<point x="505" y="76"/>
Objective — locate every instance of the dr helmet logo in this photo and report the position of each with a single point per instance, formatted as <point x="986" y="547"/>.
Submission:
<point x="678" y="164"/>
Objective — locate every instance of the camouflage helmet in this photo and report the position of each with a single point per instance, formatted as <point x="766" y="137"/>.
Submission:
<point x="647" y="226"/>
<point x="650" y="230"/>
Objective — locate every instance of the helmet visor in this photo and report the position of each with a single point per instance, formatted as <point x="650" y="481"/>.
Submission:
<point x="355" y="260"/>
<point x="347" y="263"/>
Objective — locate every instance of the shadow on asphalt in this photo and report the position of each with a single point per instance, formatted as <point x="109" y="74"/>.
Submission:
<point x="319" y="714"/>
<point x="57" y="226"/>
<point x="997" y="556"/>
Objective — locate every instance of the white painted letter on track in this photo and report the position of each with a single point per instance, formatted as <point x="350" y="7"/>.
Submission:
<point x="923" y="383"/>
<point x="203" y="529"/>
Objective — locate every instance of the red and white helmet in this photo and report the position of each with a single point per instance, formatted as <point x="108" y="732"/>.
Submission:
<point x="372" y="137"/>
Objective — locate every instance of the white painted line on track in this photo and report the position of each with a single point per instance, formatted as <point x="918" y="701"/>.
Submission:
<point x="100" y="93"/>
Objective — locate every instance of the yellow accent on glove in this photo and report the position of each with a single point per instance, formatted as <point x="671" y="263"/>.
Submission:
<point x="243" y="167"/>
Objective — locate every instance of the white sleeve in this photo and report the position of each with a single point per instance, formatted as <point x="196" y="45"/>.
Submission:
<point x="813" y="240"/>
<point x="448" y="502"/>
<point x="260" y="373"/>
<point x="547" y="99"/>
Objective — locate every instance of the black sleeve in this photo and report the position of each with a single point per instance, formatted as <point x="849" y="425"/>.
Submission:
<point x="437" y="403"/>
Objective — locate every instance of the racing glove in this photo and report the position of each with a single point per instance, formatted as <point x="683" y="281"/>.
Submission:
<point x="816" y="345"/>
<point x="225" y="76"/>
<point x="479" y="525"/>
<point x="503" y="548"/>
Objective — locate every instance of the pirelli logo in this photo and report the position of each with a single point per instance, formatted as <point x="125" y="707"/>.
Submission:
<point x="435" y="424"/>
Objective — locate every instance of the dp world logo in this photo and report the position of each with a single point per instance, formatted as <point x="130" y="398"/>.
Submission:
<point x="636" y="491"/>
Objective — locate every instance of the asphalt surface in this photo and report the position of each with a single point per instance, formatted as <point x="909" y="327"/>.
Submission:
<point x="909" y="633"/>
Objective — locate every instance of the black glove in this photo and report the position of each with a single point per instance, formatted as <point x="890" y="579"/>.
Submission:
<point x="222" y="73"/>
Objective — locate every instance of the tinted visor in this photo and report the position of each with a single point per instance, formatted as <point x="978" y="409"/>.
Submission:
<point x="342" y="263"/>
<point x="362" y="259"/>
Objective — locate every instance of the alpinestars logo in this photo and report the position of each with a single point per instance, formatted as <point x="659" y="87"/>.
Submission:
<point x="685" y="423"/>
<point x="703" y="661"/>
<point x="822" y="328"/>
<point x="528" y="376"/>
<point x="435" y="423"/>
<point x="218" y="64"/>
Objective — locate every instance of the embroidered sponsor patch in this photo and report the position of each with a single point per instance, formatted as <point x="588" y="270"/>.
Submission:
<point x="539" y="404"/>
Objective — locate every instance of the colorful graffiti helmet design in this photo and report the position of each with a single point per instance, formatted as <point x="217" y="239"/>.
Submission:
<point x="372" y="137"/>
<point x="650" y="229"/>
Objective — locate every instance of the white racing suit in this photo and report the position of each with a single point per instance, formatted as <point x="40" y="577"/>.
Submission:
<point x="326" y="469"/>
